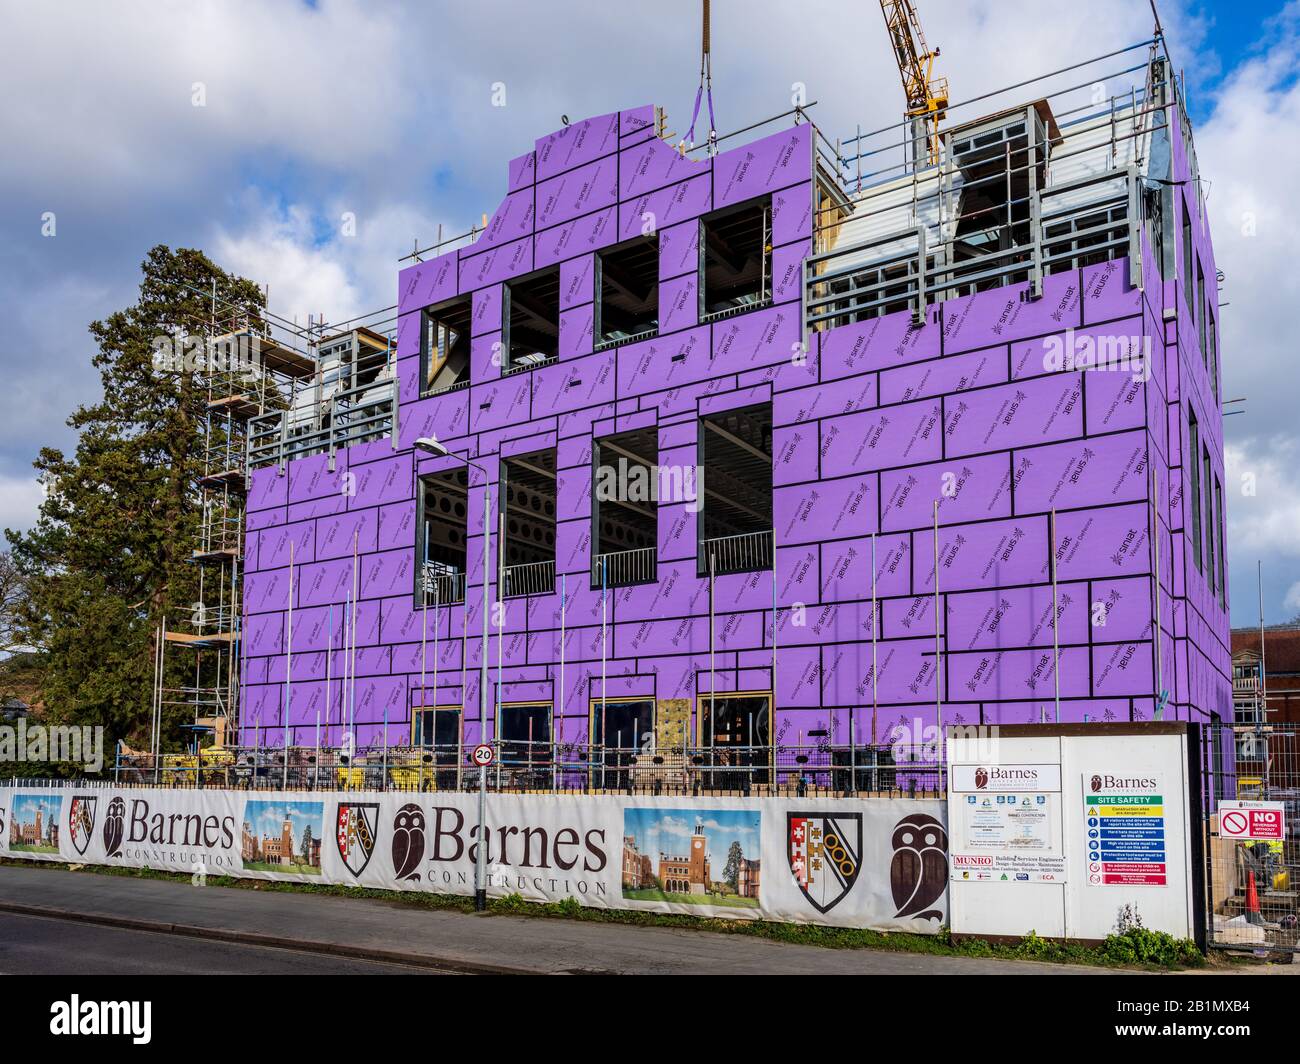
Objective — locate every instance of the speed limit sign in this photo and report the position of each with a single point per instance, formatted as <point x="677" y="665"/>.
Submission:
<point x="482" y="755"/>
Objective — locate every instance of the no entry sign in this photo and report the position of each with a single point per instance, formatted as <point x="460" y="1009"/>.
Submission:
<point x="1252" y="821"/>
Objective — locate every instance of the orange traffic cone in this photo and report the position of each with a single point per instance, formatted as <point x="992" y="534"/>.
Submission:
<point x="1253" y="915"/>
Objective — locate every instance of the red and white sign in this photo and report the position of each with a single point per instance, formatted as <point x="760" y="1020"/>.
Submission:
<point x="482" y="755"/>
<point x="1252" y="821"/>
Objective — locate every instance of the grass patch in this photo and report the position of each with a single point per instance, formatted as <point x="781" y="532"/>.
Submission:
<point x="725" y="901"/>
<point x="1135" y="948"/>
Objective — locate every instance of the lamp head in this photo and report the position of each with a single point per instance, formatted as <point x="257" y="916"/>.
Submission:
<point x="430" y="445"/>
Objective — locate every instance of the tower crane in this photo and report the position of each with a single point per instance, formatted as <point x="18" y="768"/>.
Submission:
<point x="927" y="93"/>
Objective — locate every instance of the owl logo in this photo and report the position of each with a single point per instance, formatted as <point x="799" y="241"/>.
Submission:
<point x="81" y="821"/>
<point x="113" y="825"/>
<point x="354" y="834"/>
<point x="825" y="855"/>
<point x="918" y="873"/>
<point x="408" y="841"/>
<point x="981" y="778"/>
<point x="1096" y="783"/>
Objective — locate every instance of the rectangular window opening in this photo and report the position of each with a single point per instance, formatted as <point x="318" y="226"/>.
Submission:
<point x="444" y="346"/>
<point x="531" y="320"/>
<point x="528" y="512"/>
<point x="526" y="735"/>
<point x="735" y="451"/>
<point x="625" y="521"/>
<point x="442" y="547"/>
<point x="736" y="731"/>
<point x="736" y="259"/>
<point x="1193" y="466"/>
<point x="627" y="279"/>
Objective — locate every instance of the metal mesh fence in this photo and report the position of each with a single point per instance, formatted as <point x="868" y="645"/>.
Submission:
<point x="523" y="767"/>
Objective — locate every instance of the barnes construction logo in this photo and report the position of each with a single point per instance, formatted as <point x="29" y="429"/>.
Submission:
<point x="1104" y="782"/>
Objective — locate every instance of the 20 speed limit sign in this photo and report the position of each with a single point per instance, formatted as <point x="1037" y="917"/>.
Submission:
<point x="482" y="755"/>
<point x="1252" y="821"/>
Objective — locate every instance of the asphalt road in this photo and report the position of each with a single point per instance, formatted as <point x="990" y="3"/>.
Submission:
<point x="384" y="935"/>
<point x="33" y="945"/>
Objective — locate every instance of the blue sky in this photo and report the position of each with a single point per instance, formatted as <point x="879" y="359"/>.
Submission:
<point x="669" y="831"/>
<point x="250" y="128"/>
<point x="267" y="818"/>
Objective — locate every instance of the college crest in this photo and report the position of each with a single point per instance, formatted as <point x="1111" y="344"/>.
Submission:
<point x="825" y="854"/>
<point x="81" y="821"/>
<point x="355" y="833"/>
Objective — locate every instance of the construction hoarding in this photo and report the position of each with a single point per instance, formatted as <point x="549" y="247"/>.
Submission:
<point x="873" y="862"/>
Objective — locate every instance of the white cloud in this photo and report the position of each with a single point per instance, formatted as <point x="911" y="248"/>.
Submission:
<point x="20" y="498"/>
<point x="384" y="109"/>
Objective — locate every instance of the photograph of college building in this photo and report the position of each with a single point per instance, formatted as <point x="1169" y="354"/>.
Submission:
<point x="1004" y="327"/>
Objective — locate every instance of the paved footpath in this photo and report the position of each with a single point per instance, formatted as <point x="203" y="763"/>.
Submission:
<point x="396" y="933"/>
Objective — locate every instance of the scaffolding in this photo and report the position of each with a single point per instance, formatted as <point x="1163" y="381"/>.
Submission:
<point x="244" y="373"/>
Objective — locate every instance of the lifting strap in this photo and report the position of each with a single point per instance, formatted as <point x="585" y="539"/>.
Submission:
<point x="705" y="89"/>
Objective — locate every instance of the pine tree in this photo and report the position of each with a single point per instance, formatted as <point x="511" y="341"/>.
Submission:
<point x="109" y="553"/>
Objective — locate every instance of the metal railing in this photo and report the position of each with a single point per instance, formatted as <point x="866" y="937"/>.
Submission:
<point x="531" y="578"/>
<point x="1056" y="186"/>
<point x="915" y="268"/>
<point x="625" y="568"/>
<point x="521" y="766"/>
<point x="357" y="415"/>
<point x="442" y="584"/>
<point x="747" y="553"/>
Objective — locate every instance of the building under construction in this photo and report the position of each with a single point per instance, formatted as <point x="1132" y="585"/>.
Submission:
<point x="787" y="447"/>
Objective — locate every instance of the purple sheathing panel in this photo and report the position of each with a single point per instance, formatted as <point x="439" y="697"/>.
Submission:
<point x="777" y="161"/>
<point x="591" y="232"/>
<point x="1006" y="618"/>
<point x="986" y="554"/>
<point x="577" y="281"/>
<point x="576" y="331"/>
<point x="1007" y="314"/>
<point x="428" y="282"/>
<point x="581" y="191"/>
<point x="651" y="165"/>
<point x="521" y="171"/>
<point x="486" y="311"/>
<point x="679" y="303"/>
<point x="512" y="220"/>
<point x="1092" y="472"/>
<point x="830" y="509"/>
<point x="498" y="264"/>
<point x="967" y="489"/>
<point x="688" y="199"/>
<point x="945" y="376"/>
<point x="575" y="144"/>
<point x="679" y="250"/>
<point x="881" y="343"/>
<point x="267" y="488"/>
<point x="873" y="424"/>
<point x="636" y="120"/>
<point x="755" y="339"/>
<point x="881" y="438"/>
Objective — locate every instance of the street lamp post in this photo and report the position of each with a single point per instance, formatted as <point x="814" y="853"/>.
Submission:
<point x="431" y="445"/>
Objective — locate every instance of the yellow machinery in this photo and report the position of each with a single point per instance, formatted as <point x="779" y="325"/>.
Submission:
<point x="927" y="94"/>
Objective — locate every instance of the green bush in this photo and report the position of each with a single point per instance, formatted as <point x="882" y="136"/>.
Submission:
<point x="1140" y="945"/>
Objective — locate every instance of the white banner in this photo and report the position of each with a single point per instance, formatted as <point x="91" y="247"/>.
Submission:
<point x="873" y="862"/>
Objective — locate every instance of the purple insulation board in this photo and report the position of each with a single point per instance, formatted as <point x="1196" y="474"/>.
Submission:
<point x="879" y="427"/>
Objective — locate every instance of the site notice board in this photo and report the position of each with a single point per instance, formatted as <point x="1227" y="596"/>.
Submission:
<point x="1058" y="829"/>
